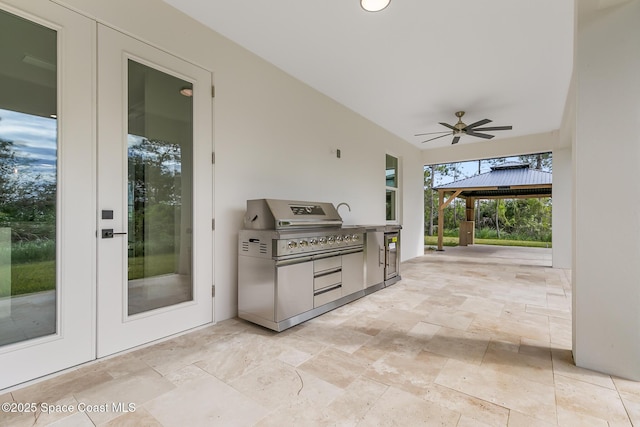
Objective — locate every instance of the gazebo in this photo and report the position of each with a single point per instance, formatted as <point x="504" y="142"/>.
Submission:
<point x="507" y="181"/>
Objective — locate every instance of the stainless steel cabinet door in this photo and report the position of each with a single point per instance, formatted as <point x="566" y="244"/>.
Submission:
<point x="294" y="290"/>
<point x="352" y="273"/>
<point x="375" y="258"/>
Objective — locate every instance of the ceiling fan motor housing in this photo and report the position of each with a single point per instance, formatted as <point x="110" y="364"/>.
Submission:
<point x="460" y="126"/>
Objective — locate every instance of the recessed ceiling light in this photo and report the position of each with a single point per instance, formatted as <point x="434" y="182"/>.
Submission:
<point x="186" y="91"/>
<point x="374" y="5"/>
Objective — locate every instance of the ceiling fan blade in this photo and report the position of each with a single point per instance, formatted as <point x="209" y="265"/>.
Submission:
<point x="494" y="128"/>
<point x="448" y="125"/>
<point x="431" y="133"/>
<point x="478" y="123"/>
<point x="480" y="135"/>
<point x="455" y="140"/>
<point x="446" y="134"/>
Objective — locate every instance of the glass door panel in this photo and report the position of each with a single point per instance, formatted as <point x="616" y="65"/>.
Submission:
<point x="159" y="187"/>
<point x="28" y="180"/>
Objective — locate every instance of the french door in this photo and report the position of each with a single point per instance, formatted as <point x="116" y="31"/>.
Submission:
<point x="144" y="193"/>
<point x="47" y="190"/>
<point x="155" y="193"/>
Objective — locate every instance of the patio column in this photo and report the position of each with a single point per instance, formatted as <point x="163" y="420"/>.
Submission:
<point x="605" y="276"/>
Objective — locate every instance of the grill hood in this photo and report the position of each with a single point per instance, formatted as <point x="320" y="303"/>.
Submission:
<point x="274" y="214"/>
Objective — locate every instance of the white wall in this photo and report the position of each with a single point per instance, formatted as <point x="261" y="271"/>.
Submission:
<point x="606" y="272"/>
<point x="563" y="185"/>
<point x="274" y="137"/>
<point x="528" y="144"/>
<point x="562" y="208"/>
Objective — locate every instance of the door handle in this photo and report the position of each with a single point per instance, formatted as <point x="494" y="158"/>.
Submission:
<point x="107" y="233"/>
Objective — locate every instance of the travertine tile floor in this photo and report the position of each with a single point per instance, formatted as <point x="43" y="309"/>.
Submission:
<point x="473" y="336"/>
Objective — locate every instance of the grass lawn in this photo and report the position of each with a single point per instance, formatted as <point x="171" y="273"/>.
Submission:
<point x="33" y="277"/>
<point x="40" y="276"/>
<point x="446" y="241"/>
<point x="149" y="266"/>
<point x="453" y="241"/>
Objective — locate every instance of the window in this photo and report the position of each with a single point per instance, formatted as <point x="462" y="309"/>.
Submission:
<point x="391" y="188"/>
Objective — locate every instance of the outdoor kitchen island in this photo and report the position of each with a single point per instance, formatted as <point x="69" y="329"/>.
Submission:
<point x="296" y="261"/>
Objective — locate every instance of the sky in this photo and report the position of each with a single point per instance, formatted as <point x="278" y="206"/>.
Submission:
<point x="468" y="169"/>
<point x="35" y="145"/>
<point x="34" y="142"/>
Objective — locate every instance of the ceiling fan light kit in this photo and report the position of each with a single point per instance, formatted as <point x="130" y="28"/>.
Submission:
<point x="460" y="128"/>
<point x="374" y="5"/>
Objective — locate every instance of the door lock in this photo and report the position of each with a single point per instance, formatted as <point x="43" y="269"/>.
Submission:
<point x="107" y="233"/>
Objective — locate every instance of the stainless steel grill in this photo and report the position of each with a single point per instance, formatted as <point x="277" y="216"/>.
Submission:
<point x="296" y="261"/>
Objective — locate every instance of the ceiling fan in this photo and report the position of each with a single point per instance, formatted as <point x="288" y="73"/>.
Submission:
<point x="460" y="129"/>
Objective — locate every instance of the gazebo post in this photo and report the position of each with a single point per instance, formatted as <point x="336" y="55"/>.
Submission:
<point x="471" y="215"/>
<point x="440" y="219"/>
<point x="441" y="205"/>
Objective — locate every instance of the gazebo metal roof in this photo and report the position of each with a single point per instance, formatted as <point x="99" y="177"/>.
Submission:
<point x="509" y="180"/>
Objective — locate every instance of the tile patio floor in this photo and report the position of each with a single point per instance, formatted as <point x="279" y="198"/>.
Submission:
<point x="476" y="336"/>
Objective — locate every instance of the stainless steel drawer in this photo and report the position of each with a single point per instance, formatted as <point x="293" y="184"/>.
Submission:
<point x="327" y="263"/>
<point x="327" y="280"/>
<point x="327" y="297"/>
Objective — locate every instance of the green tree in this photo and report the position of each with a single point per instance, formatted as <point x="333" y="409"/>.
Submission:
<point x="538" y="161"/>
<point x="155" y="194"/>
<point x="7" y="167"/>
<point x="433" y="174"/>
<point x="27" y="202"/>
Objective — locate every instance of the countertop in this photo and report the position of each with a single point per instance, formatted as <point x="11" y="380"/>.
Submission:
<point x="375" y="227"/>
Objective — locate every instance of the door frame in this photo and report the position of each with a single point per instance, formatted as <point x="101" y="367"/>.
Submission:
<point x="116" y="330"/>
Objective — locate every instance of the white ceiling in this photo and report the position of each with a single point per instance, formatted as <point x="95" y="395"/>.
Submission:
<point x="417" y="62"/>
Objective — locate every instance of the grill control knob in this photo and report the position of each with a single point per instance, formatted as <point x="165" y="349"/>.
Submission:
<point x="303" y="243"/>
<point x="313" y="242"/>
<point x="339" y="239"/>
<point x="331" y="239"/>
<point x="355" y="237"/>
<point x="292" y="245"/>
<point x="347" y="238"/>
<point x="323" y="241"/>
